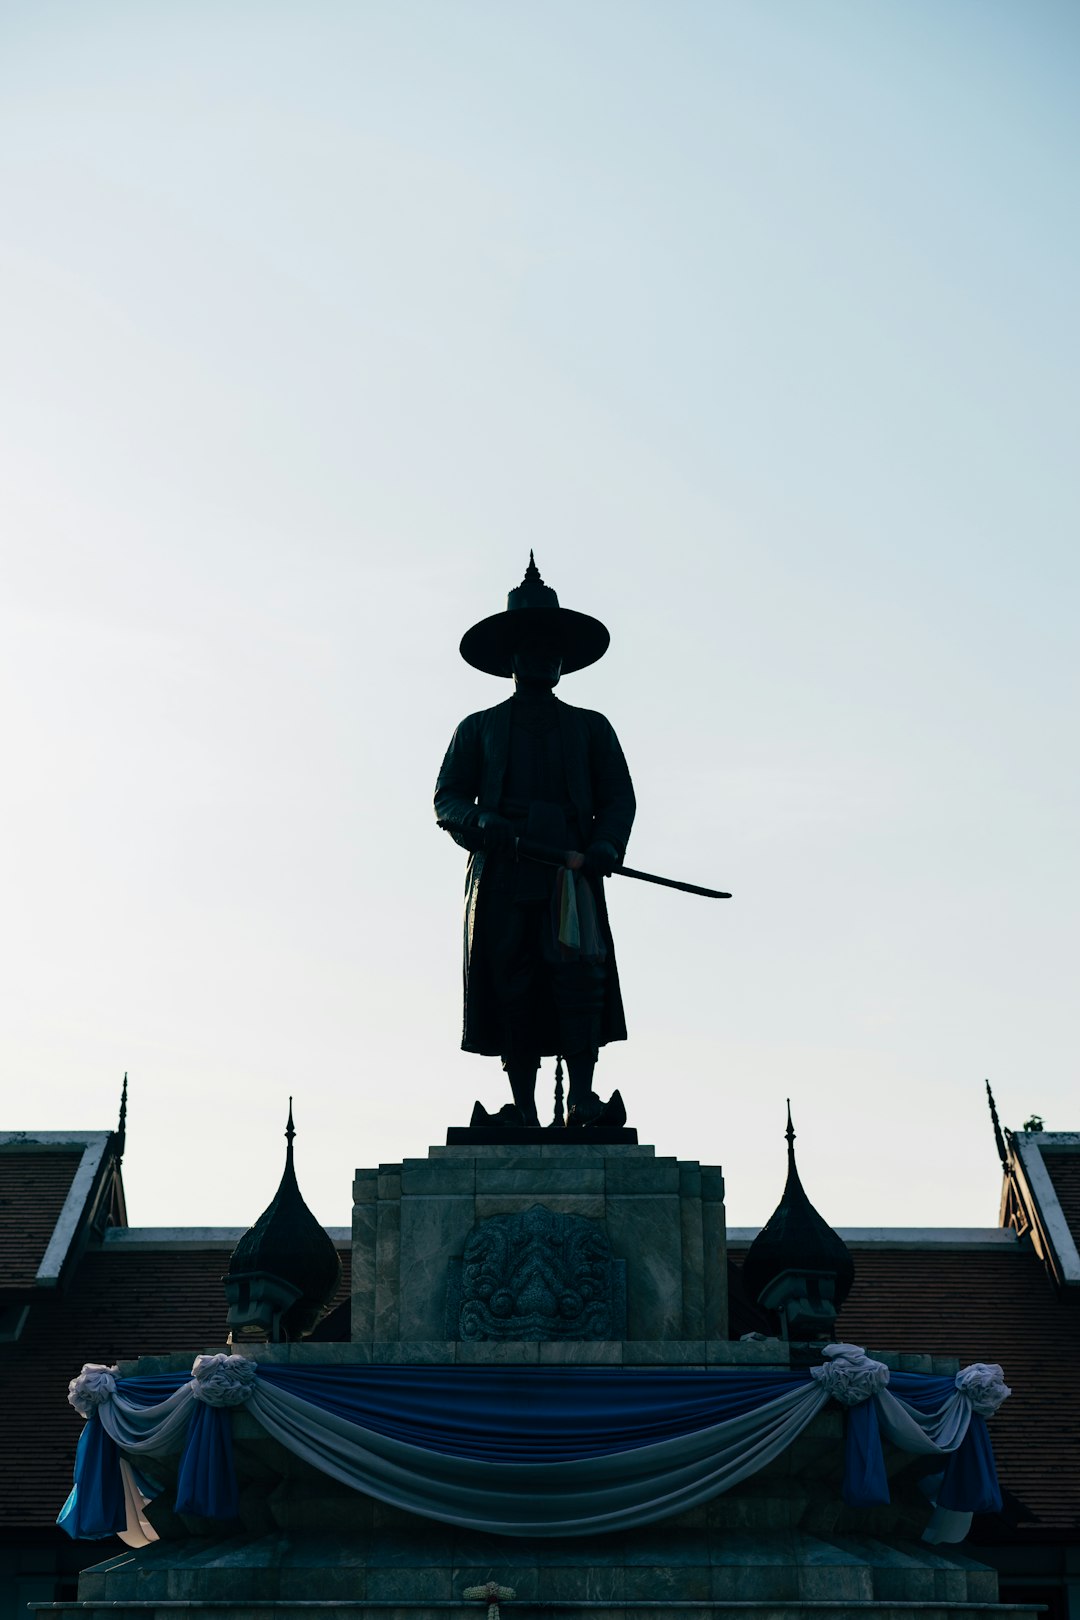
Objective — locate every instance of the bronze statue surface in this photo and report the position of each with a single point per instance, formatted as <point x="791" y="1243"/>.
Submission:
<point x="540" y="976"/>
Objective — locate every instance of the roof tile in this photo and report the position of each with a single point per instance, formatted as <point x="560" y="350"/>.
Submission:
<point x="33" y="1187"/>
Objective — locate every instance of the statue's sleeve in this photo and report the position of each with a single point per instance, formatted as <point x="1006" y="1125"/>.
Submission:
<point x="614" y="803"/>
<point x="458" y="786"/>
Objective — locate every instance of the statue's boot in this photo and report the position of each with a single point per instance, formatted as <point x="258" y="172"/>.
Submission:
<point x="522" y="1078"/>
<point x="585" y="1108"/>
<point x="508" y="1117"/>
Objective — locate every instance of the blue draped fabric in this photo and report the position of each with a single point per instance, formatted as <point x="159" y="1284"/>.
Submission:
<point x="924" y="1393"/>
<point x="971" y="1478"/>
<point x="531" y="1414"/>
<point x="95" y="1507"/>
<point x="207" y="1480"/>
<point x="525" y="1415"/>
<point x="865" y="1480"/>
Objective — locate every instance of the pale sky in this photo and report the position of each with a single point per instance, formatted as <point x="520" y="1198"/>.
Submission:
<point x="759" y="323"/>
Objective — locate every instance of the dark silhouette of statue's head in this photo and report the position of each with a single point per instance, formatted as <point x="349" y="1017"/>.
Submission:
<point x="534" y="618"/>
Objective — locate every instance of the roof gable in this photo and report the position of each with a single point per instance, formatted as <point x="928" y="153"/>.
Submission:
<point x="1043" y="1169"/>
<point x="53" y="1184"/>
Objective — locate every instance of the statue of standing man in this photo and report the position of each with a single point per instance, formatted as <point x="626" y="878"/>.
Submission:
<point x="540" y="974"/>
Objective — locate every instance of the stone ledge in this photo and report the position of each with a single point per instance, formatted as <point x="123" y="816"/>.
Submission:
<point x="761" y="1609"/>
<point x="636" y="1353"/>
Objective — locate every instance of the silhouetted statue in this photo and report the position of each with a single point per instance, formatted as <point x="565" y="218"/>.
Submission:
<point x="540" y="974"/>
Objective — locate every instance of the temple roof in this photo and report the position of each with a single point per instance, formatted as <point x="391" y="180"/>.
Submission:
<point x="53" y="1186"/>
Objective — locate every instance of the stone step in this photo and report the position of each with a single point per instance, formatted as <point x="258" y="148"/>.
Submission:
<point x="451" y="1609"/>
<point x="787" y="1569"/>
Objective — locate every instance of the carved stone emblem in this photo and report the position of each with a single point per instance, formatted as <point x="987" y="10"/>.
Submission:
<point x="537" y="1275"/>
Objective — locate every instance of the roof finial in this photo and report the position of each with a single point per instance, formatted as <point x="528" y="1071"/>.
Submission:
<point x="797" y="1267"/>
<point x="121" y="1129"/>
<point x="290" y="1129"/>
<point x="1003" y="1152"/>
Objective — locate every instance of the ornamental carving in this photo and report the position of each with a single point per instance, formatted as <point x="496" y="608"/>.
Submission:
<point x="537" y="1274"/>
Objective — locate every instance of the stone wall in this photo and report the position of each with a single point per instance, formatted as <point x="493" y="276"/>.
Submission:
<point x="664" y="1218"/>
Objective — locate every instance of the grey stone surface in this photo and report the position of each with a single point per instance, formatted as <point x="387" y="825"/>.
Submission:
<point x="663" y="1353"/>
<point x="712" y="1183"/>
<point x="540" y="1179"/>
<point x="388" y="1268"/>
<point x="414" y="1353"/>
<point x="693" y="1251"/>
<point x="432" y="1178"/>
<point x="587" y="1583"/>
<point x="591" y="1205"/>
<point x="507" y="1352"/>
<point x="363" y="1269"/>
<point x="581" y="1352"/>
<point x="432" y="1229"/>
<point x="646" y="1231"/>
<point x="642" y="1176"/>
<point x="332" y="1355"/>
<point x="714" y="1255"/>
<point x="415" y="1585"/>
<point x="751" y="1353"/>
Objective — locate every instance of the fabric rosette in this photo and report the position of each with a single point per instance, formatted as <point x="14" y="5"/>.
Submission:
<point x="984" y="1385"/>
<point x="223" y="1380"/>
<point x="849" y="1375"/>
<point x="94" y="1385"/>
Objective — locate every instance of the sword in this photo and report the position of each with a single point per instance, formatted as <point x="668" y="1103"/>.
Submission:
<point x="557" y="857"/>
<point x="527" y="849"/>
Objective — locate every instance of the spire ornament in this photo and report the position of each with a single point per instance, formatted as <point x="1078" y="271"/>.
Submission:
<point x="121" y="1129"/>
<point x="1000" y="1139"/>
<point x="797" y="1267"/>
<point x="285" y="1269"/>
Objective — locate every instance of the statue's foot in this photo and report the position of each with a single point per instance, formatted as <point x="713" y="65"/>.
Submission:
<point x="509" y="1118"/>
<point x="614" y="1115"/>
<point x="610" y="1115"/>
<point x="584" y="1113"/>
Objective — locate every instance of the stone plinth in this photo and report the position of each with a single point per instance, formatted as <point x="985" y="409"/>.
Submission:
<point x="664" y="1219"/>
<point x="780" y="1546"/>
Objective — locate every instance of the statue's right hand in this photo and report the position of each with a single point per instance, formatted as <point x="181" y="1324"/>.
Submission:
<point x="498" y="832"/>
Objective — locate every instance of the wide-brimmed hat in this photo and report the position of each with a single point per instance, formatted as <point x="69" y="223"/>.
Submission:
<point x="532" y="608"/>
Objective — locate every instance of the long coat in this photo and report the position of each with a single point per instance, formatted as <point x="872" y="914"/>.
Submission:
<point x="471" y="782"/>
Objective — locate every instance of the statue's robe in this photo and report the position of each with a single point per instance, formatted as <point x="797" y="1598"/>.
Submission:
<point x="470" y="782"/>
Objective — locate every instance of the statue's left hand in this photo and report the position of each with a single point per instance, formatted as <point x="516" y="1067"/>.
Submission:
<point x="601" y="858"/>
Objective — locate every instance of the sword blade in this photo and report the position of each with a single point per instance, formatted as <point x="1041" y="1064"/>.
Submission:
<point x="526" y="849"/>
<point x="670" y="883"/>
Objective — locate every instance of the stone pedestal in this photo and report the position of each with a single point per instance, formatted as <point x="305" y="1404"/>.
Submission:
<point x="622" y="1237"/>
<point x="663" y="1218"/>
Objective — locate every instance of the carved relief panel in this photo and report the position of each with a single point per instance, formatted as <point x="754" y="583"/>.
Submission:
<point x="537" y="1274"/>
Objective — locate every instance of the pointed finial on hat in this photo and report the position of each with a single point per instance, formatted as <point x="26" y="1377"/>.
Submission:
<point x="999" y="1138"/>
<point x="790" y="1132"/>
<point x="532" y="573"/>
<point x="121" y="1129"/>
<point x="290" y="1132"/>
